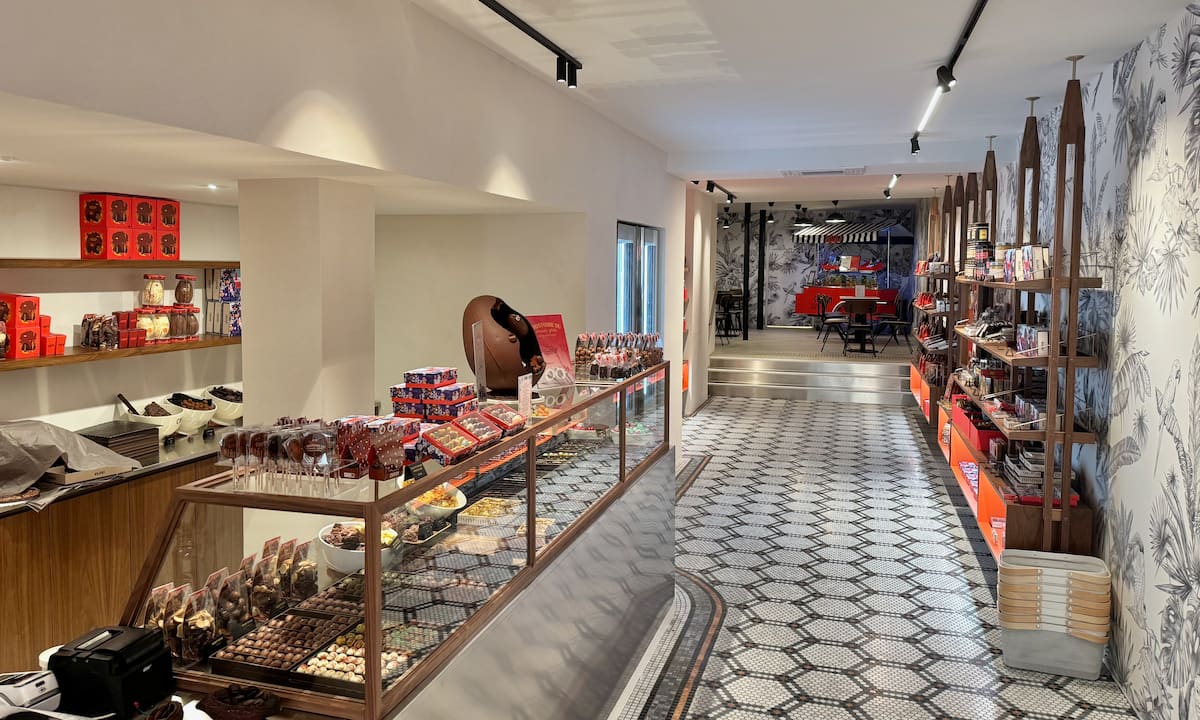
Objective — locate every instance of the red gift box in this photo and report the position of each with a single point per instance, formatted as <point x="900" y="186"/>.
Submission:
<point x="20" y="311"/>
<point x="167" y="215"/>
<point x="145" y="244"/>
<point x="167" y="245"/>
<point x="105" y="243"/>
<point x="44" y="323"/>
<point x="46" y="345"/>
<point x="138" y="336"/>
<point x="60" y="344"/>
<point x="979" y="439"/>
<point x="99" y="210"/>
<point x="144" y="213"/>
<point x="24" y="343"/>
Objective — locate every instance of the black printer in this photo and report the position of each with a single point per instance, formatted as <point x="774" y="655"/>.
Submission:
<point x="113" y="669"/>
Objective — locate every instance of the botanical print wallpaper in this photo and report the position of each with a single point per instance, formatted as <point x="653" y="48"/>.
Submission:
<point x="792" y="265"/>
<point x="1141" y="234"/>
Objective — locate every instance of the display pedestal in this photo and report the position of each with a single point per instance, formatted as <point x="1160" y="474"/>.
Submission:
<point x="308" y="305"/>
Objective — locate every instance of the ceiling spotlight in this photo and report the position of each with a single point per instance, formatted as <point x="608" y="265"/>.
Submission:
<point x="835" y="216"/>
<point x="725" y="222"/>
<point x="916" y="146"/>
<point x="946" y="79"/>
<point x="572" y="80"/>
<point x="562" y="69"/>
<point x="887" y="193"/>
<point x="728" y="198"/>
<point x="895" y="179"/>
<point x="802" y="218"/>
<point x="211" y="186"/>
<point x="710" y="186"/>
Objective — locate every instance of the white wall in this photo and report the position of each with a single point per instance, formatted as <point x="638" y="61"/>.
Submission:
<point x="36" y="223"/>
<point x="427" y="268"/>
<point x="700" y="231"/>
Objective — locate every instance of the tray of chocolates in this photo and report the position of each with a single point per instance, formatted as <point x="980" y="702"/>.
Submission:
<point x="345" y="597"/>
<point x="479" y="427"/>
<point x="340" y="667"/>
<point x="509" y="420"/>
<point x="448" y="443"/>
<point x="271" y="652"/>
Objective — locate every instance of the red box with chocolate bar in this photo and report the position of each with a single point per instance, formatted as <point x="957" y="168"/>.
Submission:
<point x="44" y="323"/>
<point x="24" y="343"/>
<point x="20" y="311"/>
<point x="100" y="210"/>
<point x="105" y="243"/>
<point x="143" y="213"/>
<point x="167" y="245"/>
<point x="167" y="215"/>
<point x="47" y="345"/>
<point x="145" y="244"/>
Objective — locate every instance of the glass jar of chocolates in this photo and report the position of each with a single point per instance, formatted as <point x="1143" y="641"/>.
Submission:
<point x="177" y="323"/>
<point x="184" y="289"/>
<point x="191" y="322"/>
<point x="152" y="291"/>
<point x="145" y="321"/>
<point x="162" y="326"/>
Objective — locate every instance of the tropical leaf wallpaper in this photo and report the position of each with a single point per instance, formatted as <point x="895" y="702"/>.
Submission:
<point x="792" y="265"/>
<point x="1141" y="234"/>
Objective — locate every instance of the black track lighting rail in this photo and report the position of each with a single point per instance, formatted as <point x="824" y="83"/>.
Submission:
<point x="711" y="186"/>
<point x="945" y="73"/>
<point x="972" y="21"/>
<point x="513" y="19"/>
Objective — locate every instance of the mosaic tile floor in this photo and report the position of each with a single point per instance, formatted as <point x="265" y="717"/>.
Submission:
<point x="849" y="585"/>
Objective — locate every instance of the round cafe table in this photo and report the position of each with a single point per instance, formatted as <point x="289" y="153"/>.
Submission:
<point x="859" y="310"/>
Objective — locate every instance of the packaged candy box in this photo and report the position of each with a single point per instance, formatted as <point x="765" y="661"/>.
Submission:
<point x="409" y="409"/>
<point x="509" y="420"/>
<point x="479" y="427"/>
<point x="402" y="392"/>
<point x="388" y="436"/>
<point x="449" y="394"/>
<point x="447" y="443"/>
<point x="431" y="377"/>
<point x="446" y="413"/>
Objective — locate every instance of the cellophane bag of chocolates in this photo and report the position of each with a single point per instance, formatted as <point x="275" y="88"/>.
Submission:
<point x="304" y="573"/>
<point x="264" y="591"/>
<point x="197" y="631"/>
<point x="173" y="614"/>
<point x="270" y="547"/>
<point x="283" y="567"/>
<point x="213" y="583"/>
<point x="233" y="608"/>
<point x="152" y="616"/>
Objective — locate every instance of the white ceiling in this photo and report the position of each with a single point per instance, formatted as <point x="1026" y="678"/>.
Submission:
<point x="65" y="148"/>
<point x="750" y="89"/>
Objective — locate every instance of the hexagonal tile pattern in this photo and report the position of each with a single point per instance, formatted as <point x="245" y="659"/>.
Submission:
<point x="851" y="588"/>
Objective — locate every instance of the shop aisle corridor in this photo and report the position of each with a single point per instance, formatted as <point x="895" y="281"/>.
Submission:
<point x="824" y="573"/>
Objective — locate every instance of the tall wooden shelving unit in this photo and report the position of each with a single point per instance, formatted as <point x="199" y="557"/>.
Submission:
<point x="929" y="394"/>
<point x="1004" y="522"/>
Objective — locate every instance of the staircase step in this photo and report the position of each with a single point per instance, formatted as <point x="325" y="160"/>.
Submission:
<point x="823" y="367"/>
<point x="815" y="380"/>
<point x="787" y="392"/>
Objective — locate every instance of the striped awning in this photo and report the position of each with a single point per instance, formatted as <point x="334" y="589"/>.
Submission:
<point x="852" y="232"/>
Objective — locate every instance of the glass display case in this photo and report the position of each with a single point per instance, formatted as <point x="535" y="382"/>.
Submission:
<point x="347" y="595"/>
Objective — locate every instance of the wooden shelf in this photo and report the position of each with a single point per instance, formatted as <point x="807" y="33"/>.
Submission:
<point x="930" y="313"/>
<point x="935" y="276"/>
<point x="1042" y="285"/>
<point x="67" y="263"/>
<point x="1007" y="355"/>
<point x="1079" y="436"/>
<point x="76" y="355"/>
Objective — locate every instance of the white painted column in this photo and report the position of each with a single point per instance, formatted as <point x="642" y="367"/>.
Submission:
<point x="308" y="298"/>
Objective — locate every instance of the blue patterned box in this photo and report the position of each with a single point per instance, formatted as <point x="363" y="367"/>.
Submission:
<point x="223" y="284"/>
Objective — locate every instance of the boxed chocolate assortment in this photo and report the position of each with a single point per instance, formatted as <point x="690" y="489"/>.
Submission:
<point x="479" y="427"/>
<point x="509" y="420"/>
<point x="24" y="331"/>
<point x="447" y="444"/>
<point x="431" y="377"/>
<point x="122" y="227"/>
<point x="438" y="412"/>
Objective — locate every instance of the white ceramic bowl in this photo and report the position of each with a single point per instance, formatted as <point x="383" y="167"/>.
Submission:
<point x="416" y="507"/>
<point x="192" y="420"/>
<point x="168" y="425"/>
<point x="348" y="561"/>
<point x="226" y="411"/>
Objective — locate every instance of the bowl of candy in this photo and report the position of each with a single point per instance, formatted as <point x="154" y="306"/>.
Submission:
<point x="345" y="545"/>
<point x="228" y="402"/>
<point x="155" y="414"/>
<point x="195" y="412"/>
<point x="442" y="501"/>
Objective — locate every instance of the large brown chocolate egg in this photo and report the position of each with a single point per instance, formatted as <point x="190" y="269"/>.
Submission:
<point x="510" y="345"/>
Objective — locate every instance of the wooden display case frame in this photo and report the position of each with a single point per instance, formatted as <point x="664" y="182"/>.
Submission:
<point x="378" y="701"/>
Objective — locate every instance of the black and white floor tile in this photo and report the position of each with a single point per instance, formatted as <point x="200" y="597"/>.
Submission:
<point x="849" y="586"/>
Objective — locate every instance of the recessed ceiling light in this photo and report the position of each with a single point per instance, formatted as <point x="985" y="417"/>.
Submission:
<point x="211" y="186"/>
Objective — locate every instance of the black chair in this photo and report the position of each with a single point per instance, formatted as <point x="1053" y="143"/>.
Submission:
<point x="827" y="323"/>
<point x="899" y="324"/>
<point x="728" y="314"/>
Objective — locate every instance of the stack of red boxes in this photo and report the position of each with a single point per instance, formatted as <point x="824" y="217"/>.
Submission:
<point x="121" y="227"/>
<point x="131" y="335"/>
<point x="26" y="332"/>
